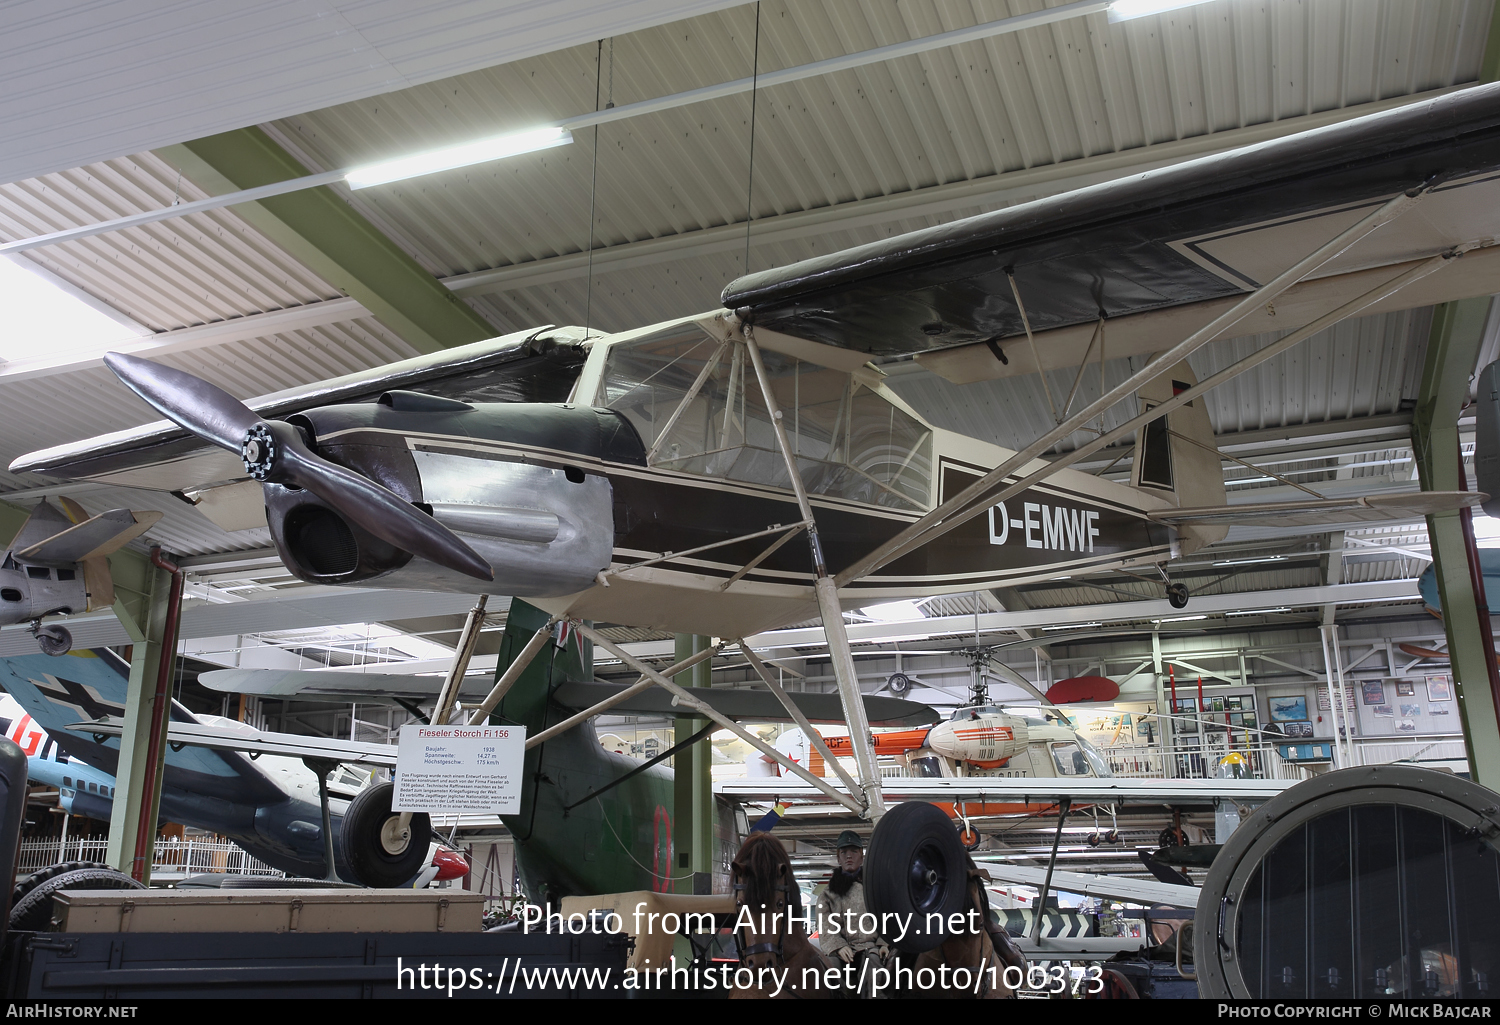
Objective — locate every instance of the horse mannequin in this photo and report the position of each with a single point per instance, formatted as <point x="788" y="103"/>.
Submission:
<point x="769" y="945"/>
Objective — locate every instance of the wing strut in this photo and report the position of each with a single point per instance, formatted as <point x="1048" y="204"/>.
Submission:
<point x="468" y="640"/>
<point x="644" y="683"/>
<point x="1041" y="899"/>
<point x="814" y="738"/>
<point x="957" y="509"/>
<point x="828" y="606"/>
<point x="685" y="697"/>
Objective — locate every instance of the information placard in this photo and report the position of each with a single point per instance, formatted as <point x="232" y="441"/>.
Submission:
<point x="471" y="769"/>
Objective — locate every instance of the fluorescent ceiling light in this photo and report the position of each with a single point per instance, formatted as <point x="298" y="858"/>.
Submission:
<point x="1072" y="626"/>
<point x="42" y="319"/>
<point x="893" y="639"/>
<point x="893" y="612"/>
<point x="1259" y="612"/>
<point x="462" y="155"/>
<point x="1251" y="562"/>
<point x="1124" y="10"/>
<point x="1179" y="619"/>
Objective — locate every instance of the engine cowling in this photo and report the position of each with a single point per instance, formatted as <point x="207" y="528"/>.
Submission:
<point x="985" y="738"/>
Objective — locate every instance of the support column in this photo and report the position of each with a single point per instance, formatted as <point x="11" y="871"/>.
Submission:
<point x="144" y="615"/>
<point x="1452" y="352"/>
<point x="693" y="790"/>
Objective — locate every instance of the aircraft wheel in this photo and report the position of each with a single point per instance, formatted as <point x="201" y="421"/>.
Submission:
<point x="899" y="684"/>
<point x="1169" y="838"/>
<point x="1177" y="594"/>
<point x="375" y="849"/>
<point x="54" y="640"/>
<point x="33" y="912"/>
<point x="969" y="837"/>
<point x="916" y="866"/>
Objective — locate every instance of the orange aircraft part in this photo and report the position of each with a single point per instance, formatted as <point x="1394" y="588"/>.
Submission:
<point x="893" y="743"/>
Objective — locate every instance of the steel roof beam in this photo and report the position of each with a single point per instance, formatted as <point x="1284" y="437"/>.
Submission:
<point x="321" y="230"/>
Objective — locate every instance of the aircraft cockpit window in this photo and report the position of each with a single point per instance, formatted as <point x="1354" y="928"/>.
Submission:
<point x="698" y="407"/>
<point x="10" y="594"/>
<point x="1095" y="759"/>
<point x="926" y="767"/>
<point x="1070" y="759"/>
<point x="38" y="573"/>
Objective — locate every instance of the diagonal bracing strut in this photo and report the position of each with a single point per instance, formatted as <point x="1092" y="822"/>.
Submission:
<point x="937" y="521"/>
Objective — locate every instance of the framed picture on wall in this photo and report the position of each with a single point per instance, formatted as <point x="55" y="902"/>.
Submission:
<point x="1382" y="710"/>
<point x="1288" y="708"/>
<point x="1374" y="691"/>
<point x="1411" y="710"/>
<point x="1405" y="689"/>
<point x="1439" y="688"/>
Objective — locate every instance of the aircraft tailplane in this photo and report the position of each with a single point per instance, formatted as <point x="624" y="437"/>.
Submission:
<point x="1177" y="457"/>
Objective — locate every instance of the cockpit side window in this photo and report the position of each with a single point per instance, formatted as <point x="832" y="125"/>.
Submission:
<point x="698" y="406"/>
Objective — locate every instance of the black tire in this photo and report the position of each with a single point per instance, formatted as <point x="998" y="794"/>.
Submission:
<point x="1168" y="838"/>
<point x="916" y="866"/>
<point x="1177" y="594"/>
<point x="373" y="855"/>
<point x="33" y="912"/>
<point x="54" y="640"/>
<point x="26" y="884"/>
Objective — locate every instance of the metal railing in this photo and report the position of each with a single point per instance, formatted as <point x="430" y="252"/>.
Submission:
<point x="187" y="857"/>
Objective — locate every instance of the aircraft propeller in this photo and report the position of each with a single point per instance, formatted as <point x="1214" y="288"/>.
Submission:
<point x="274" y="452"/>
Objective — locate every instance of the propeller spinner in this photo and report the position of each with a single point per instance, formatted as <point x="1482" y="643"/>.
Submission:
<point x="275" y="452"/>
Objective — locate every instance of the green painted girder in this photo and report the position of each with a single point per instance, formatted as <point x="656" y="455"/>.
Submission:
<point x="322" y="231"/>
<point x="1452" y="351"/>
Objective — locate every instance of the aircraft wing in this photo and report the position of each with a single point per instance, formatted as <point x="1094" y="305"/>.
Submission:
<point x="1313" y="512"/>
<point x="1135" y="891"/>
<point x="1192" y="233"/>
<point x="752" y="705"/>
<point x="95" y="536"/>
<point x="252" y="742"/>
<point x="536" y="365"/>
<point x="308" y="683"/>
<point x="1170" y="793"/>
<point x="749" y="705"/>
<point x="58" y="691"/>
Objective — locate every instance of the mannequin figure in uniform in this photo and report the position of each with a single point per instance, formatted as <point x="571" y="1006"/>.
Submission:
<point x="843" y="902"/>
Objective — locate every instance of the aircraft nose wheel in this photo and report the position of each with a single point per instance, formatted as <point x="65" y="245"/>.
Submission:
<point x="1177" y="594"/>
<point x="969" y="837"/>
<point x="52" y="639"/>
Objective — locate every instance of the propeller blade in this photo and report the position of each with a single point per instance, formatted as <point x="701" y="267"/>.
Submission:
<point x="277" y="454"/>
<point x="372" y="506"/>
<point x="205" y="409"/>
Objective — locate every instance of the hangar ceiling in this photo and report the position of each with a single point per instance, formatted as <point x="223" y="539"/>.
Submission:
<point x="839" y="160"/>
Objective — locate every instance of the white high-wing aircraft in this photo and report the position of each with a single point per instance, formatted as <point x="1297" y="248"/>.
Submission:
<point x="653" y="478"/>
<point x="643" y="478"/>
